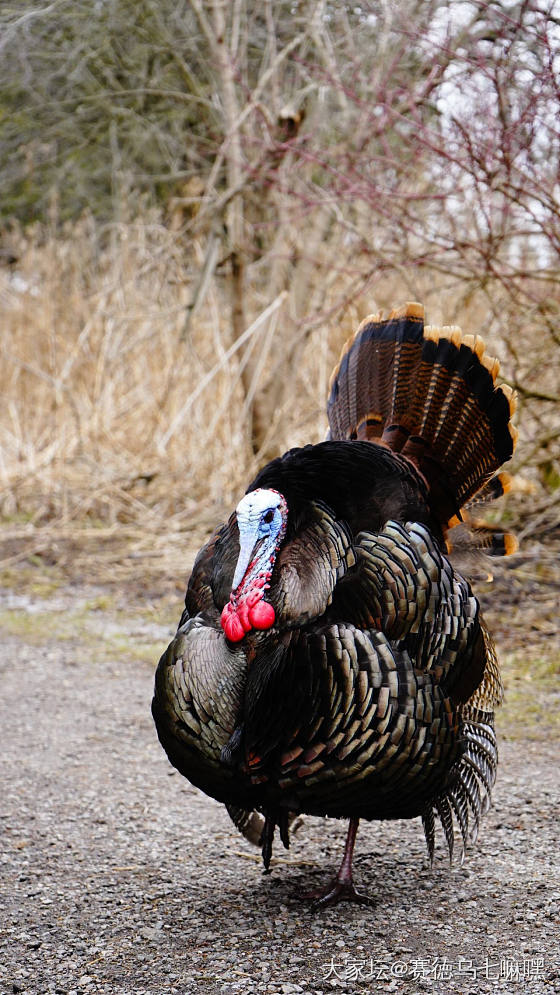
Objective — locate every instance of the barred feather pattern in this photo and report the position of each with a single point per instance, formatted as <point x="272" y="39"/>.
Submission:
<point x="250" y="823"/>
<point x="371" y="694"/>
<point x="475" y="535"/>
<point x="429" y="393"/>
<point x="468" y="797"/>
<point x="490" y="692"/>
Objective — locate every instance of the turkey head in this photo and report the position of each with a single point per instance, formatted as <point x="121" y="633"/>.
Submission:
<point x="262" y="517"/>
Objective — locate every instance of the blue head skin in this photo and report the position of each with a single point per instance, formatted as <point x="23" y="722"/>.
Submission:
<point x="261" y="518"/>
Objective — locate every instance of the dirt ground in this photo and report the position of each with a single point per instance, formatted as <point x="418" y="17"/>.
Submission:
<point x="119" y="877"/>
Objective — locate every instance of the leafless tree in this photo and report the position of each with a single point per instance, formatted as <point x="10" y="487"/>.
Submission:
<point x="310" y="155"/>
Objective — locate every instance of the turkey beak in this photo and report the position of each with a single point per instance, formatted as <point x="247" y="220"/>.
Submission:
<point x="247" y="547"/>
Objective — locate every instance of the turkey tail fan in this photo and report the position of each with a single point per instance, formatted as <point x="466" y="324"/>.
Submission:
<point x="496" y="487"/>
<point x="430" y="394"/>
<point x="374" y="366"/>
<point x="476" y="534"/>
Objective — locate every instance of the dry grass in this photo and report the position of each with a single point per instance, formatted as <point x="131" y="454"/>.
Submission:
<point x="113" y="421"/>
<point x="92" y="376"/>
<point x="122" y="445"/>
<point x="107" y="415"/>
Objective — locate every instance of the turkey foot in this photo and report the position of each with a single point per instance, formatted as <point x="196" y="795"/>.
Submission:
<point x="338" y="891"/>
<point x="342" y="889"/>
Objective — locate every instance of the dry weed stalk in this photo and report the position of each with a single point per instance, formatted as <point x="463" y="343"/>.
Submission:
<point x="113" y="417"/>
<point x="108" y="415"/>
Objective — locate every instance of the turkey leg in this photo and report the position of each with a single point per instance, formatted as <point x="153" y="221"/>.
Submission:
<point x="342" y="888"/>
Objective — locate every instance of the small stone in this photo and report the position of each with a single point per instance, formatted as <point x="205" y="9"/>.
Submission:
<point x="148" y="932"/>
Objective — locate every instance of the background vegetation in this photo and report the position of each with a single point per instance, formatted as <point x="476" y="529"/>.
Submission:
<point x="200" y="201"/>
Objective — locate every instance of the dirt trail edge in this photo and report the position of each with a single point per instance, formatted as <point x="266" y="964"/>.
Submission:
<point x="119" y="877"/>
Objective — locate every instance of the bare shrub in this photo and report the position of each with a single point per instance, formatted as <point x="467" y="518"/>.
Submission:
<point x="340" y="159"/>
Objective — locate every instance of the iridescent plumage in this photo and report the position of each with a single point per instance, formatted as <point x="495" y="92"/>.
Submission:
<point x="330" y="660"/>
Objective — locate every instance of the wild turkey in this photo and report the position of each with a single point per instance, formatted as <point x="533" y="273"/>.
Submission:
<point x="330" y="660"/>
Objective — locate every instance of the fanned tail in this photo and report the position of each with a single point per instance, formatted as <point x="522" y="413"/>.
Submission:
<point x="430" y="394"/>
<point x="474" y="534"/>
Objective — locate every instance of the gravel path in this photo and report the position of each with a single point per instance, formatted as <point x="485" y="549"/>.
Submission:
<point x="119" y="877"/>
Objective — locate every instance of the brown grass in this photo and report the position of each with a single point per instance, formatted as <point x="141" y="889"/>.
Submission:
<point x="107" y="415"/>
<point x="122" y="445"/>
<point x="110" y="419"/>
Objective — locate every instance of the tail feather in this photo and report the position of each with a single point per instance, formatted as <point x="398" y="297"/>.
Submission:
<point x="474" y="535"/>
<point x="250" y="823"/>
<point x="468" y="797"/>
<point x="429" y="393"/>
<point x="496" y="487"/>
<point x="365" y="385"/>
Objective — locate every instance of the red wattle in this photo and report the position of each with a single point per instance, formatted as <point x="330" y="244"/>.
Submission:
<point x="231" y="624"/>
<point x="242" y="610"/>
<point x="262" y="615"/>
<point x="249" y="614"/>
